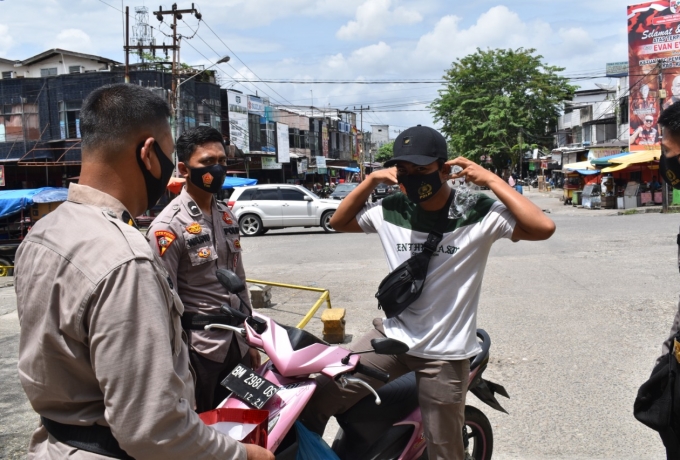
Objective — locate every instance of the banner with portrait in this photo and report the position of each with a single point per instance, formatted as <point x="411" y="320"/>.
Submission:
<point x="654" y="68"/>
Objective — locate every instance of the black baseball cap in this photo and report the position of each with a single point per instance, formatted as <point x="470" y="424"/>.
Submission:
<point x="420" y="145"/>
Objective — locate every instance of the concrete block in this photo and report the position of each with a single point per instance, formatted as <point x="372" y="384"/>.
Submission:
<point x="260" y="295"/>
<point x="333" y="320"/>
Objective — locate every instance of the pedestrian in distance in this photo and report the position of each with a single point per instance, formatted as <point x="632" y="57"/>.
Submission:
<point x="102" y="357"/>
<point x="440" y="326"/>
<point x="194" y="236"/>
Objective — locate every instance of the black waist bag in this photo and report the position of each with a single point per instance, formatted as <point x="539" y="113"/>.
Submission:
<point x="658" y="400"/>
<point x="405" y="283"/>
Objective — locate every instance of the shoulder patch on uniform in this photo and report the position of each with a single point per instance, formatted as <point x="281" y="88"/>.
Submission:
<point x="227" y="218"/>
<point x="194" y="210"/>
<point x="164" y="239"/>
<point x="194" y="228"/>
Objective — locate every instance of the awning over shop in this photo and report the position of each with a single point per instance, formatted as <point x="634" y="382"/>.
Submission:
<point x="604" y="161"/>
<point x="615" y="168"/>
<point x="579" y="166"/>
<point x="643" y="156"/>
<point x="624" y="161"/>
<point x="588" y="172"/>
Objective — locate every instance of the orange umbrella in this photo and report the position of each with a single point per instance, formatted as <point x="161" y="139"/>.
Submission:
<point x="175" y="185"/>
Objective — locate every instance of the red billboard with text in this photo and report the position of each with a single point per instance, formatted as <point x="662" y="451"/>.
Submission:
<point x="654" y="68"/>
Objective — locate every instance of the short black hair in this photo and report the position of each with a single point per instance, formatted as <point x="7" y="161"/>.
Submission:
<point x="670" y="120"/>
<point x="190" y="139"/>
<point x="111" y="113"/>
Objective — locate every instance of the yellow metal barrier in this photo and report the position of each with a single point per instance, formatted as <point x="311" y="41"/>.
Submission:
<point x="325" y="296"/>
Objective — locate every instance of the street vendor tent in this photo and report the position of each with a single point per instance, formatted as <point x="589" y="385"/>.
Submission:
<point x="13" y="201"/>
<point x="605" y="161"/>
<point x="622" y="162"/>
<point x="581" y="167"/>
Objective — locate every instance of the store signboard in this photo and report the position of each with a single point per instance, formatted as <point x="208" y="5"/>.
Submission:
<point x="320" y="162"/>
<point x="302" y="166"/>
<point x="654" y="67"/>
<point x="324" y="139"/>
<point x="255" y="105"/>
<point x="270" y="163"/>
<point x="238" y="120"/>
<point x="617" y="69"/>
<point x="282" y="143"/>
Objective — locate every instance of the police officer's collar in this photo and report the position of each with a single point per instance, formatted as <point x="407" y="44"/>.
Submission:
<point x="84" y="194"/>
<point x="192" y="208"/>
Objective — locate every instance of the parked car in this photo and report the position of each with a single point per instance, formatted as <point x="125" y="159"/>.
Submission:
<point x="383" y="190"/>
<point x="342" y="190"/>
<point x="260" y="208"/>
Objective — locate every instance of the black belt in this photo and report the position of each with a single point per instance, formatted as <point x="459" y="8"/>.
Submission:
<point x="198" y="322"/>
<point x="91" y="438"/>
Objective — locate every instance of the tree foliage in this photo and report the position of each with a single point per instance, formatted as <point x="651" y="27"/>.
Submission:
<point x="385" y="152"/>
<point x="500" y="103"/>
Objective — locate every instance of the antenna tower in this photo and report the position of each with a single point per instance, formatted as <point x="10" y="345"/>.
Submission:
<point x="141" y="31"/>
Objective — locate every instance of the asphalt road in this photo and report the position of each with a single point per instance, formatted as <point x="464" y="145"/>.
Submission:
<point x="576" y="323"/>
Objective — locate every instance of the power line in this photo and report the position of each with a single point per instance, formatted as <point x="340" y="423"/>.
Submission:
<point x="242" y="62"/>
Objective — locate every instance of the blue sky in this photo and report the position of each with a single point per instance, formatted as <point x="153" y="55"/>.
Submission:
<point x="338" y="39"/>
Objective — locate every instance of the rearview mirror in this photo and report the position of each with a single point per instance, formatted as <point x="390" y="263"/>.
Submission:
<point x="230" y="280"/>
<point x="308" y="198"/>
<point x="387" y="346"/>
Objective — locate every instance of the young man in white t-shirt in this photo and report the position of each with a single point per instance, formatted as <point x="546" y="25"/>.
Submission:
<point x="440" y="326"/>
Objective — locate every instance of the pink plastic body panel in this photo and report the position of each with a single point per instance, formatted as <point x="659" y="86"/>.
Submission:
<point x="285" y="406"/>
<point x="314" y="359"/>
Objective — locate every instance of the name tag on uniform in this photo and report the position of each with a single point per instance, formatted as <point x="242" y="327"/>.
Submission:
<point x="249" y="387"/>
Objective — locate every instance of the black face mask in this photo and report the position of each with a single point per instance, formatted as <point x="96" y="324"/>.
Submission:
<point x="670" y="170"/>
<point x="208" y="178"/>
<point x="420" y="188"/>
<point x="155" y="187"/>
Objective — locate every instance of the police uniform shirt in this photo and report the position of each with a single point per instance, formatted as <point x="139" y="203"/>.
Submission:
<point x="192" y="246"/>
<point x="101" y="340"/>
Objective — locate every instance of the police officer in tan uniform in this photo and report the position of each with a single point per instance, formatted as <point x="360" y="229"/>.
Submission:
<point x="102" y="356"/>
<point x="194" y="236"/>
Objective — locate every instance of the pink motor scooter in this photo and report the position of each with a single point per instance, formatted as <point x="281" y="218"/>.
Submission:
<point x="383" y="426"/>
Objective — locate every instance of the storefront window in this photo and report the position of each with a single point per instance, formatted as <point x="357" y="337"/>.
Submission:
<point x="209" y="114"/>
<point x="69" y="119"/>
<point x="14" y="124"/>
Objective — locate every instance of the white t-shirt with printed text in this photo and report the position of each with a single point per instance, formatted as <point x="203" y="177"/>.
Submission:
<point x="442" y="323"/>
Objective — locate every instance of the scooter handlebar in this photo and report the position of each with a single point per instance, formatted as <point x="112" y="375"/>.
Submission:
<point x="373" y="372"/>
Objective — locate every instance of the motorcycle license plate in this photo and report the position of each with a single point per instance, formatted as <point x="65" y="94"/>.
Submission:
<point x="249" y="387"/>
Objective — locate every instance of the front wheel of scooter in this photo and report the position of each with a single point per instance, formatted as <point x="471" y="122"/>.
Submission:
<point x="477" y="435"/>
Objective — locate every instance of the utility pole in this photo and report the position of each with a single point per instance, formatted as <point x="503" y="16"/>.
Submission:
<point x="662" y="96"/>
<point x="160" y="14"/>
<point x="520" y="142"/>
<point x="361" y="157"/>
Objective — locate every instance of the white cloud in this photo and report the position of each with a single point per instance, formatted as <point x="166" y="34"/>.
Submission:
<point x="6" y="40"/>
<point x="497" y="28"/>
<point x="373" y="17"/>
<point x="72" y="40"/>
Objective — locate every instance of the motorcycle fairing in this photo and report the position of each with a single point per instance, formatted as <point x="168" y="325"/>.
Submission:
<point x="312" y="359"/>
<point x="284" y="407"/>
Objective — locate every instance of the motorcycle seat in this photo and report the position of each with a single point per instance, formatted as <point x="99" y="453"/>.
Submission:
<point x="300" y="339"/>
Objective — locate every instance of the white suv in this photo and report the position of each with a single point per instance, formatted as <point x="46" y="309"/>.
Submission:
<point x="259" y="208"/>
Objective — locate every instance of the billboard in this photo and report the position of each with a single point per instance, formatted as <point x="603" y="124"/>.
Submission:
<point x="654" y="66"/>
<point x="282" y="143"/>
<point x="238" y="120"/>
